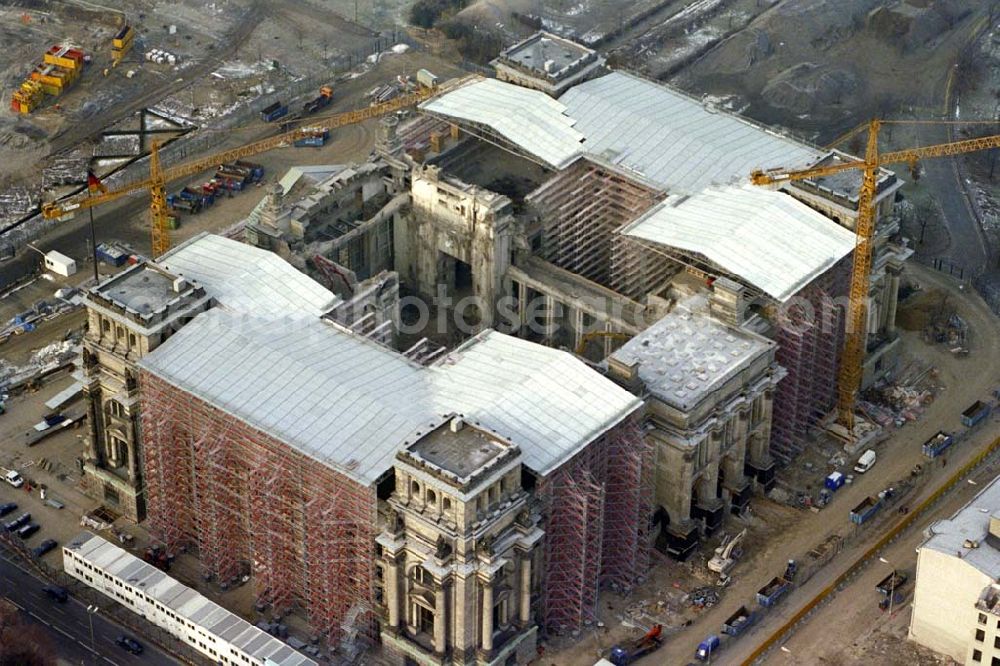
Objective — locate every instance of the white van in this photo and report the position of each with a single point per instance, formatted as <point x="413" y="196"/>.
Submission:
<point x="865" y="462"/>
<point x="14" y="479"/>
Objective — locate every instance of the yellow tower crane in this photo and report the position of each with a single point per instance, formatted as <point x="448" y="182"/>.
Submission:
<point x="159" y="177"/>
<point x="852" y="359"/>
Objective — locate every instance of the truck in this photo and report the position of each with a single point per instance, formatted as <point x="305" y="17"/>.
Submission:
<point x="707" y="648"/>
<point x="865" y="510"/>
<point x="316" y="138"/>
<point x="255" y="170"/>
<point x="319" y="102"/>
<point x="739" y="621"/>
<point x="892" y="582"/>
<point x="271" y="113"/>
<point x="184" y="205"/>
<point x="231" y="180"/>
<point x="976" y="412"/>
<point x="769" y="595"/>
<point x="627" y="654"/>
<point x="111" y="254"/>
<point x="938" y="443"/>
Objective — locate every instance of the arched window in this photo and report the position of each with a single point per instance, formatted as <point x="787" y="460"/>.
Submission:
<point x="431" y="497"/>
<point x="414" y="488"/>
<point x="446" y="504"/>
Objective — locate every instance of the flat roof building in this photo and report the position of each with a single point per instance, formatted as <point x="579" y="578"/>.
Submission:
<point x="548" y="63"/>
<point x="956" y="600"/>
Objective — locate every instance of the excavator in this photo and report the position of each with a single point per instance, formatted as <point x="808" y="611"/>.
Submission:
<point x="727" y="554"/>
<point x="852" y="359"/>
<point x="159" y="176"/>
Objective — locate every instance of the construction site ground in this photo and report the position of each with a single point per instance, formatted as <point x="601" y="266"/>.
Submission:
<point x="127" y="221"/>
<point x="779" y="532"/>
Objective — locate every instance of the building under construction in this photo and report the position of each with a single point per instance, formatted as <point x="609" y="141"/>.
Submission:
<point x="501" y="485"/>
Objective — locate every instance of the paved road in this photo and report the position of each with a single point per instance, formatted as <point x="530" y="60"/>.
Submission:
<point x="67" y="624"/>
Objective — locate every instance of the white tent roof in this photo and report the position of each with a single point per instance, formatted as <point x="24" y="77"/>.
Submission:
<point x="248" y="279"/>
<point x="769" y="239"/>
<point x="527" y="118"/>
<point x="350" y="403"/>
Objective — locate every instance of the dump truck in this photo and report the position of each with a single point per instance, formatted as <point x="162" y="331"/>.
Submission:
<point x="271" y="113"/>
<point x="624" y="655"/>
<point x="976" y="412"/>
<point x="316" y="138"/>
<point x="934" y="446"/>
<point x="739" y="621"/>
<point x="322" y="101"/>
<point x="892" y="582"/>
<point x="865" y="510"/>
<point x="769" y="595"/>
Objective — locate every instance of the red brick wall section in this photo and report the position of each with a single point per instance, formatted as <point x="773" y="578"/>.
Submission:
<point x="244" y="499"/>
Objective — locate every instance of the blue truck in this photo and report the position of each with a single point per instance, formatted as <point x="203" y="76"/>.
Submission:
<point x="623" y="655"/>
<point x="739" y="622"/>
<point x="976" y="412"/>
<point x="865" y="510"/>
<point x="316" y="138"/>
<point x="769" y="595"/>
<point x="934" y="446"/>
<point x="707" y="648"/>
<point x="273" y="112"/>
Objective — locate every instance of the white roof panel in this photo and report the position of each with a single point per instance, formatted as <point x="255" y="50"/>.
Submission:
<point x="350" y="403"/>
<point x="769" y="239"/>
<point x="672" y="139"/>
<point x="248" y="279"/>
<point x="528" y="118"/>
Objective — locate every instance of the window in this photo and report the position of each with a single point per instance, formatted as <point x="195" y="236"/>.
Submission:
<point x="996" y="642"/>
<point x="977" y="655"/>
<point x="414" y="488"/>
<point x="980" y="635"/>
<point x="995" y="661"/>
<point x="446" y="503"/>
<point x="982" y="619"/>
<point x="431" y="497"/>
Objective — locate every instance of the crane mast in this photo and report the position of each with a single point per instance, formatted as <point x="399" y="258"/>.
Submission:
<point x="852" y="359"/>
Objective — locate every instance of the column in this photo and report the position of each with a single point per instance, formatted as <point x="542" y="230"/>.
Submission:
<point x="525" y="615"/>
<point x="487" y="614"/>
<point x="890" y="318"/>
<point x="392" y="591"/>
<point x="522" y="309"/>
<point x="92" y="452"/>
<point x="439" y="619"/>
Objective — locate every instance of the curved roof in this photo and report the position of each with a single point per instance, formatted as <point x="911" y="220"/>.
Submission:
<point x="767" y="238"/>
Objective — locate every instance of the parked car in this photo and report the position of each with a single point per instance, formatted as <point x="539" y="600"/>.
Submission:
<point x="7" y="508"/>
<point x="129" y="644"/>
<point x="27" y="530"/>
<point x="14" y="479"/>
<point x="56" y="593"/>
<point x="17" y="523"/>
<point x="44" y="547"/>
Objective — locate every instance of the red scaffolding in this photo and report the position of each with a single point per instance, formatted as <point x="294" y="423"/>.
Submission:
<point x="597" y="510"/>
<point x="249" y="502"/>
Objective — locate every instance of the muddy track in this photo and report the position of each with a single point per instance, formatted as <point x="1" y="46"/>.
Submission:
<point x="81" y="131"/>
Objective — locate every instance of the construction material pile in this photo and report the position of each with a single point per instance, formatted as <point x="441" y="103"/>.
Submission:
<point x="60" y="68"/>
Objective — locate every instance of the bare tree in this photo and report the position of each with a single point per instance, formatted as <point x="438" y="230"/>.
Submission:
<point x="20" y="643"/>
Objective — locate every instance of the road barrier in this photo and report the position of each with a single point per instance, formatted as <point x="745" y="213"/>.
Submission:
<point x="771" y="641"/>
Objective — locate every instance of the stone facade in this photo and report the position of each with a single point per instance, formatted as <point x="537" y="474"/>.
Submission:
<point x="459" y="556"/>
<point x="128" y="316"/>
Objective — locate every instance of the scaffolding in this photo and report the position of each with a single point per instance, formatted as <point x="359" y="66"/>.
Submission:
<point x="597" y="509"/>
<point x="809" y="343"/>
<point x="252" y="505"/>
<point x="581" y="208"/>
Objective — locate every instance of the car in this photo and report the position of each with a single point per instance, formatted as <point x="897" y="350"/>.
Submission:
<point x="27" y="530"/>
<point x="56" y="593"/>
<point x="44" y="547"/>
<point x="7" y="508"/>
<point x="129" y="644"/>
<point x="13" y="478"/>
<point x="17" y="523"/>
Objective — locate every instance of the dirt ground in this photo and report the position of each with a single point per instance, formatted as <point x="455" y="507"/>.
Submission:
<point x="778" y="532"/>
